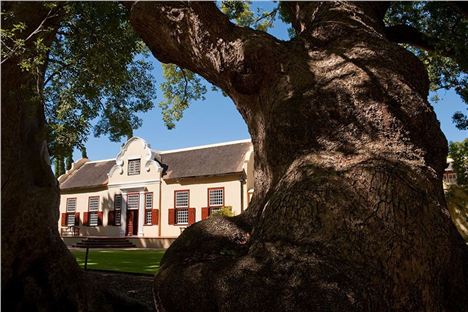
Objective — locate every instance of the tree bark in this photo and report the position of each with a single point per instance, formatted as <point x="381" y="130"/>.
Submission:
<point x="38" y="271"/>
<point x="348" y="212"/>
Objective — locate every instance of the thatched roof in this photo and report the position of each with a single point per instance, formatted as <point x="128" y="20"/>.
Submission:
<point x="197" y="162"/>
<point x="209" y="161"/>
<point x="91" y="174"/>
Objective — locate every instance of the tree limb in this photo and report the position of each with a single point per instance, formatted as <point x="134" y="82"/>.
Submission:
<point x="199" y="37"/>
<point x="308" y="16"/>
<point x="409" y="35"/>
<point x="40" y="28"/>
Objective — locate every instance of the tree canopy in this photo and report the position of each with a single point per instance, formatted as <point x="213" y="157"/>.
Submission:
<point x="457" y="194"/>
<point x="436" y="32"/>
<point x="458" y="151"/>
<point x="99" y="78"/>
<point x="348" y="211"/>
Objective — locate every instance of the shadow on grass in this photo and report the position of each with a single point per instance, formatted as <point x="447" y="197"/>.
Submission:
<point x="144" y="261"/>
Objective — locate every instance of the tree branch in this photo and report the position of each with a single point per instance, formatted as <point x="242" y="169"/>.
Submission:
<point x="38" y="29"/>
<point x="186" y="84"/>
<point x="271" y="14"/>
<point x="199" y="37"/>
<point x="409" y="35"/>
<point x="309" y="16"/>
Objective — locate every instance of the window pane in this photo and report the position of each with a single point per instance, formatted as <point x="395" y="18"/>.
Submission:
<point x="93" y="203"/>
<point x="149" y="201"/>
<point x="181" y="216"/>
<point x="182" y="199"/>
<point x="133" y="167"/>
<point x="70" y="219"/>
<point x="93" y="218"/>
<point x="216" y="197"/>
<point x="133" y="201"/>
<point x="71" y="204"/>
<point x="117" y="202"/>
<point x="117" y="217"/>
<point x="148" y="217"/>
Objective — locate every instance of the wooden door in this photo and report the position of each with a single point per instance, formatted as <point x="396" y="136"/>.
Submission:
<point x="132" y="223"/>
<point x="129" y="223"/>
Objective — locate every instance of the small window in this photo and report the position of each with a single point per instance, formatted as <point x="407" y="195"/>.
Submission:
<point x="71" y="208"/>
<point x="93" y="209"/>
<point x="216" y="197"/>
<point x="181" y="199"/>
<point x="148" y="208"/>
<point x="117" y="208"/>
<point x="133" y="201"/>
<point x="134" y="167"/>
<point x="181" y="207"/>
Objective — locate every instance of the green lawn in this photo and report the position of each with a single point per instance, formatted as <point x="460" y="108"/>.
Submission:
<point x="134" y="261"/>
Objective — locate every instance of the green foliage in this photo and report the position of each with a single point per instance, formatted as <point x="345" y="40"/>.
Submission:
<point x="14" y="37"/>
<point x="225" y="211"/>
<point x="96" y="74"/>
<point x="180" y="87"/>
<point x="458" y="151"/>
<point x="457" y="203"/>
<point x="240" y="12"/>
<point x="444" y="28"/>
<point x="84" y="153"/>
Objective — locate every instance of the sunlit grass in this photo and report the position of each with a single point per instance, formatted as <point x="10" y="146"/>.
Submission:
<point x="133" y="261"/>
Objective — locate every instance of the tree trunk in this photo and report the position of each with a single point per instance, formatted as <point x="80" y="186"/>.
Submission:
<point x="348" y="212"/>
<point x="38" y="271"/>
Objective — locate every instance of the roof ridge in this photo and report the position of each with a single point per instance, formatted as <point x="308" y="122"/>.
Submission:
<point x="204" y="146"/>
<point x="96" y="161"/>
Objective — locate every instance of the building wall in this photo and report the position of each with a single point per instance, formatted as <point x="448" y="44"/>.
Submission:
<point x="135" y="148"/>
<point x="236" y="189"/>
<point x="198" y="198"/>
<point x="82" y="198"/>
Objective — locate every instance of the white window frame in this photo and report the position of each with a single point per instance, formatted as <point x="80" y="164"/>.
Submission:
<point x="137" y="201"/>
<point x="93" y="212"/>
<point x="215" y="206"/>
<point x="132" y="168"/>
<point x="118" y="209"/>
<point x="71" y="210"/>
<point x="211" y="200"/>
<point x="181" y="208"/>
<point x="149" y="208"/>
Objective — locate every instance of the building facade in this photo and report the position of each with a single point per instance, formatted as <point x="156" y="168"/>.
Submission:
<point x="152" y="196"/>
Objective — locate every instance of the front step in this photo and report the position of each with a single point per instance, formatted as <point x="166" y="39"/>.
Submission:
<point x="104" y="242"/>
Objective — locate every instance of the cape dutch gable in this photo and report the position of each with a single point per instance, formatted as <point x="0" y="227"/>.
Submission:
<point x="152" y="196"/>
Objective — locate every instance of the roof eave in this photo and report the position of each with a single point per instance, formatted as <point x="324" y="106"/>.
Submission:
<point x="236" y="173"/>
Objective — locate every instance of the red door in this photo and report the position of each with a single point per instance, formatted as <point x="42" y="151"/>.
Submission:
<point x="132" y="222"/>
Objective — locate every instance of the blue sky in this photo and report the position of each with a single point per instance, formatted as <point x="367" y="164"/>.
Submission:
<point x="217" y="120"/>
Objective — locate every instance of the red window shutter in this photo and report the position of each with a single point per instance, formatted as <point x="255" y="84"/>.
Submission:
<point x="155" y="217"/>
<point x="205" y="213"/>
<point x="77" y="218"/>
<point x="111" y="218"/>
<point x="86" y="218"/>
<point x="99" y="217"/>
<point x="191" y="215"/>
<point x="63" y="219"/>
<point x="171" y="216"/>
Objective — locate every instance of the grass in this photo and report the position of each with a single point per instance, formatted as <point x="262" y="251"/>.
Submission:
<point x="121" y="260"/>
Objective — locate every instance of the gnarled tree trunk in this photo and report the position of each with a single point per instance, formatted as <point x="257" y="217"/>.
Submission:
<point x="38" y="271"/>
<point x="348" y="212"/>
